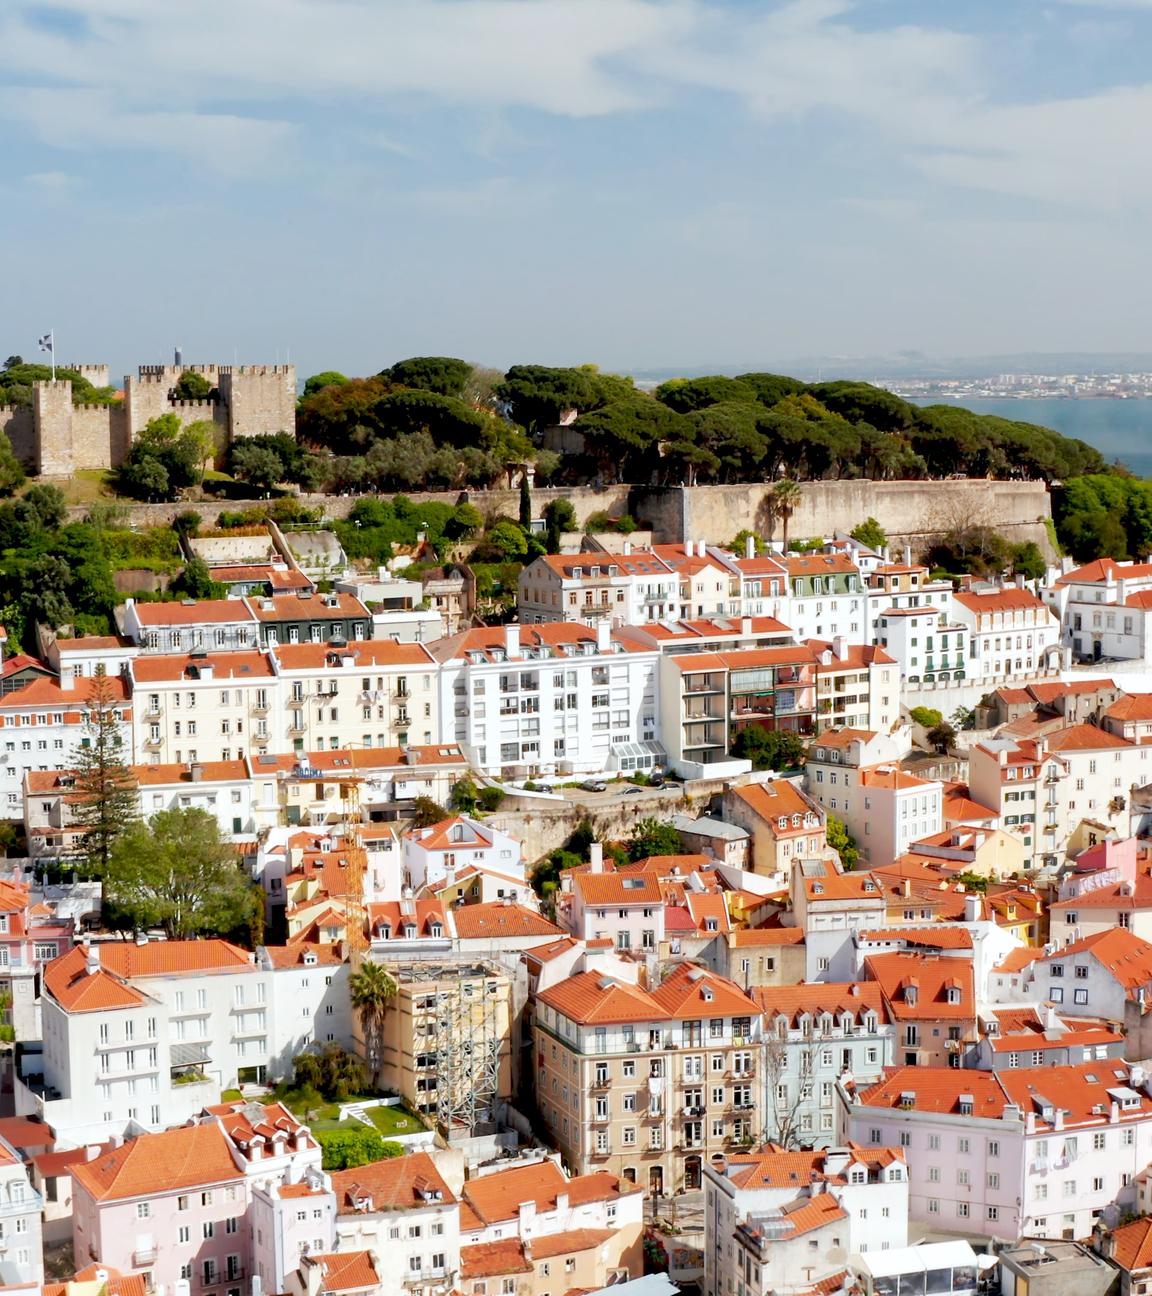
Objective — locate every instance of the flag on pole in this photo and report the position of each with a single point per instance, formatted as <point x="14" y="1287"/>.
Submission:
<point x="48" y="343"/>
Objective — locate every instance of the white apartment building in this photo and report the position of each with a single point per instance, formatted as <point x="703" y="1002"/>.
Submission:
<point x="207" y="707"/>
<point x="929" y="647"/>
<point x="207" y="625"/>
<point x="374" y="693"/>
<point x="885" y="808"/>
<point x="21" y="1246"/>
<point x="42" y="726"/>
<point x="141" y="1035"/>
<point x="1044" y="788"/>
<point x="827" y="597"/>
<point x="436" y="854"/>
<point x="1011" y="634"/>
<point x="708" y="586"/>
<point x="1044" y="1152"/>
<point x="1104" y="609"/>
<point x="903" y="585"/>
<point x="627" y="588"/>
<point x="765" y="1209"/>
<point x="549" y="699"/>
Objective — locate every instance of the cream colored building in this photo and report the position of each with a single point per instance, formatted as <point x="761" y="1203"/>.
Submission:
<point x="447" y="1047"/>
<point x="374" y="693"/>
<point x="647" y="1084"/>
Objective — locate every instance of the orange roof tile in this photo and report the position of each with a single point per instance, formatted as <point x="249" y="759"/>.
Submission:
<point x="1009" y="599"/>
<point x="928" y="937"/>
<point x="1122" y="952"/>
<point x="398" y="1184"/>
<point x="617" y="888"/>
<point x="780" y="799"/>
<point x="855" y="655"/>
<point x="1135" y="706"/>
<point x="156" y="1164"/>
<point x="774" y="1167"/>
<point x="932" y="976"/>
<point x="816" y="998"/>
<point x="116" y="1283"/>
<point x="497" y="1197"/>
<point x="491" y="1259"/>
<point x="237" y="666"/>
<point x="569" y="1242"/>
<point x="202" y="612"/>
<point x="689" y="991"/>
<point x="749" y="937"/>
<point x="1101" y="569"/>
<point x="1131" y="1244"/>
<point x="450" y="834"/>
<point x="591" y="997"/>
<point x="1084" y="737"/>
<point x="76" y="990"/>
<point x="291" y="607"/>
<point x="347" y="1271"/>
<point x="499" y="920"/>
<point x="363" y="652"/>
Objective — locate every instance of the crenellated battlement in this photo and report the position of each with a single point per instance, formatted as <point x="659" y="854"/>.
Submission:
<point x="250" y="400"/>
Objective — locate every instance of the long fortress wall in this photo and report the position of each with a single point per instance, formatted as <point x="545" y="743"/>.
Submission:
<point x="909" y="511"/>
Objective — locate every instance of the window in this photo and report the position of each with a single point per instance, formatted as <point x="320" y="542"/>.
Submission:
<point x="143" y="1210"/>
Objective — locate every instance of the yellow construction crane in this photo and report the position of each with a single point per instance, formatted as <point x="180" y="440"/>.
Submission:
<point x="356" y="910"/>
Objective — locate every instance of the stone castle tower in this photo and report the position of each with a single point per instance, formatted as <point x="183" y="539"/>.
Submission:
<point x="54" y="438"/>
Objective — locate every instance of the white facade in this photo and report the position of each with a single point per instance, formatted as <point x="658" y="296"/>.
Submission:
<point x="549" y="699"/>
<point x="1104" y="610"/>
<point x="927" y="645"/>
<point x="1011" y="634"/>
<point x="433" y="855"/>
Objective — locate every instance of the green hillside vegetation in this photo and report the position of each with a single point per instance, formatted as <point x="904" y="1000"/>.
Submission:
<point x="16" y="379"/>
<point x="424" y="422"/>
<point x="1104" y="516"/>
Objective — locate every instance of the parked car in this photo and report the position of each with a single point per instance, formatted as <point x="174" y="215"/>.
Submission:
<point x="594" y="785"/>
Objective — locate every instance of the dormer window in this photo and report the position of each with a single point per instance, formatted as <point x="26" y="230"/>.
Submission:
<point x="952" y="995"/>
<point x="436" y="930"/>
<point x="910" y="995"/>
<point x="385" y="931"/>
<point x="966" y="1104"/>
<point x="782" y="823"/>
<point x="410" y="931"/>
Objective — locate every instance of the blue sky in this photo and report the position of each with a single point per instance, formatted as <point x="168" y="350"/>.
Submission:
<point x="639" y="183"/>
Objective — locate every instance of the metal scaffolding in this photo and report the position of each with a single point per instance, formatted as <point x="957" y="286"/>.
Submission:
<point x="468" y="1041"/>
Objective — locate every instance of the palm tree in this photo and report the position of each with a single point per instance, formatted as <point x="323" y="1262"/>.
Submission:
<point x="371" y="989"/>
<point x="785" y="501"/>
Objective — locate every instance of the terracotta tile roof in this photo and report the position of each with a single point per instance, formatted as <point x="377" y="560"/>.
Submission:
<point x="1018" y="959"/>
<point x="819" y="997"/>
<point x="363" y="652"/>
<point x="116" y="1283"/>
<point x="439" y="836"/>
<point x="1084" y="737"/>
<point x="47" y="692"/>
<point x="640" y="562"/>
<point x="347" y="1271"/>
<point x="291" y="607"/>
<point x="819" y="564"/>
<point x="397" y="914"/>
<point x="203" y="612"/>
<point x="1131" y="1244"/>
<point x="774" y="1167"/>
<point x="1101" y="569"/>
<point x="1136" y="706"/>
<point x="50" y="1165"/>
<point x="499" y="920"/>
<point x="780" y="798"/>
<point x="745" y="659"/>
<point x="843" y="886"/>
<point x="709" y="912"/>
<point x="617" y="888"/>
<point x="1010" y="599"/>
<point x="750" y="937"/>
<point x="551" y="950"/>
<point x="401" y="1183"/>
<point x="959" y="807"/>
<point x="22" y="1132"/>
<point x="1076" y="1089"/>
<point x="302" y="1189"/>
<point x="569" y="1242"/>
<point x="1038" y="1039"/>
<point x="689" y="991"/>
<point x="491" y="1259"/>
<point x="593" y="997"/>
<point x="70" y="984"/>
<point x="231" y="771"/>
<point x="293" y="954"/>
<point x="931" y="976"/>
<point x="938" y="1089"/>
<point x="562" y="638"/>
<point x="232" y="666"/>
<point x="808" y="1213"/>
<point x="845" y="737"/>
<point x="927" y="937"/>
<point x="497" y="1197"/>
<point x="667" y="866"/>
<point x="1123" y="953"/>
<point x="892" y="779"/>
<point x="855" y="655"/>
<point x="1121" y="895"/>
<point x="276" y="1122"/>
<point x="157" y="1164"/>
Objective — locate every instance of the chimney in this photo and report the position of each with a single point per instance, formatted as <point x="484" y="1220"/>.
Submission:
<point x="91" y="1151"/>
<point x="750" y="546"/>
<point x="972" y="907"/>
<point x="512" y="642"/>
<point x="526" y="1217"/>
<point x="596" y="858"/>
<point x="92" y="961"/>
<point x="745" y="627"/>
<point x="840" y="647"/>
<point x="257" y="1285"/>
<point x="603" y="636"/>
<point x="561" y="1203"/>
<point x="1019" y="580"/>
<point x="627" y="549"/>
<point x="197" y="772"/>
<point x="907" y="555"/>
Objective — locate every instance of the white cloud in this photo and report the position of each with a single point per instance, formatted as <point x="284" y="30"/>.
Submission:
<point x="52" y="181"/>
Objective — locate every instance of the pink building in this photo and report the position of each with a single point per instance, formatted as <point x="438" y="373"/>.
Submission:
<point x="177" y="1205"/>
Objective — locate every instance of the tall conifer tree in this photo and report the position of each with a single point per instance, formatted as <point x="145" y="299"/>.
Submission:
<point x="105" y="799"/>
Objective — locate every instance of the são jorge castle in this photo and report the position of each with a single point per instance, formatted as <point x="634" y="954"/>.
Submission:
<point x="54" y="437"/>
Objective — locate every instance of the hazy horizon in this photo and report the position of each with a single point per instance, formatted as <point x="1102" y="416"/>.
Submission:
<point x="635" y="183"/>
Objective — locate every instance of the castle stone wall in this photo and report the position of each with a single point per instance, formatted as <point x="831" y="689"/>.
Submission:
<point x="19" y="425"/>
<point x="261" y="399"/>
<point x="52" y="409"/>
<point x="97" y="374"/>
<point x="93" y="436"/>
<point x="909" y="511"/>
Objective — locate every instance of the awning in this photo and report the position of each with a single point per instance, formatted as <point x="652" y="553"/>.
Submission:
<point x="189" y="1054"/>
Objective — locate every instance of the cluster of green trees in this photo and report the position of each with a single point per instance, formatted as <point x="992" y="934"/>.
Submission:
<point x="374" y="525"/>
<point x="16" y="379"/>
<point x="266" y="461"/>
<point x="1104" y="516"/>
<point x="174" y="871"/>
<point x="167" y="457"/>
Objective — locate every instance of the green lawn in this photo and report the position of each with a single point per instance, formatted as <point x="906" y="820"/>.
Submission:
<point x="325" y="1115"/>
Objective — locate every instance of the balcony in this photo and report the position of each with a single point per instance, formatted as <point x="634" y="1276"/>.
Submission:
<point x="153" y="740"/>
<point x="30" y="1204"/>
<point x="153" y="711"/>
<point x="143" y="1256"/>
<point x="259" y="708"/>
